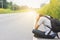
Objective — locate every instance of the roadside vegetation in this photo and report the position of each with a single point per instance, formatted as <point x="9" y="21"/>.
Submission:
<point x="9" y="7"/>
<point x="52" y="9"/>
<point x="5" y="11"/>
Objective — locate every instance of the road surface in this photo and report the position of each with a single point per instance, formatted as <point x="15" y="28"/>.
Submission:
<point x="16" y="26"/>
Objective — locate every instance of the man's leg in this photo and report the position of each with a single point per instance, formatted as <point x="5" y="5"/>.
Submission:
<point x="38" y="33"/>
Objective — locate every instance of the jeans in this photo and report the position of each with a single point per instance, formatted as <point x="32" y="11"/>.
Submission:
<point x="40" y="34"/>
<point x="53" y="35"/>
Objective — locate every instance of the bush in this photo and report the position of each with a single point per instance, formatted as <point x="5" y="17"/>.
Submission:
<point x="52" y="9"/>
<point x="5" y="11"/>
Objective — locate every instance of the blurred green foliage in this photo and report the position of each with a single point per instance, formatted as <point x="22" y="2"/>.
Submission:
<point x="3" y="3"/>
<point x="5" y="11"/>
<point x="52" y="9"/>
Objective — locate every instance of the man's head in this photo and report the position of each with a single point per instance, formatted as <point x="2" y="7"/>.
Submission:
<point x="41" y="15"/>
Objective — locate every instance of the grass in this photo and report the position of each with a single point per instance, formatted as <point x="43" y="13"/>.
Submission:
<point x="5" y="11"/>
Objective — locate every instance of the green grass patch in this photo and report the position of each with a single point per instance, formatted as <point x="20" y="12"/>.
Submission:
<point x="5" y="11"/>
<point x="22" y="10"/>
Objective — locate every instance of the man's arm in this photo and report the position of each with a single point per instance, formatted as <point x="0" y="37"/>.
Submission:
<point x="37" y="19"/>
<point x="39" y="22"/>
<point x="36" y="26"/>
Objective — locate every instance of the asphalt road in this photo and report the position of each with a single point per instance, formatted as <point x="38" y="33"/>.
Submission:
<point x="16" y="26"/>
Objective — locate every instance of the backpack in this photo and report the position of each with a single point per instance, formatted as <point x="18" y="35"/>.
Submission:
<point x="55" y="23"/>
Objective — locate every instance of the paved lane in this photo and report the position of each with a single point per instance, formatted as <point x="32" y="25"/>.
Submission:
<point x="16" y="26"/>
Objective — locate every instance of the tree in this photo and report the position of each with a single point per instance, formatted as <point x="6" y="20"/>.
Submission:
<point x="3" y="3"/>
<point x="15" y="7"/>
<point x="9" y="5"/>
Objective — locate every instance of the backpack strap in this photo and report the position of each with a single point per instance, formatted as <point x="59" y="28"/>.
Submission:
<point x="48" y="26"/>
<point x="47" y="17"/>
<point x="58" y="36"/>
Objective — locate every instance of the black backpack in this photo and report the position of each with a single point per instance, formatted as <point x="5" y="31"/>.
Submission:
<point x="55" y="23"/>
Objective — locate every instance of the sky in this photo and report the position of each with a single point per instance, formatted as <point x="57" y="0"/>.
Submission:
<point x="29" y="3"/>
